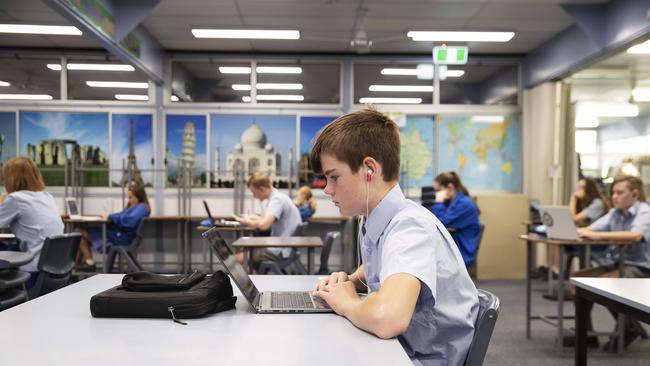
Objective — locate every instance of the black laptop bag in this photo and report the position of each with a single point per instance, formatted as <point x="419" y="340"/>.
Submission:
<point x="150" y="295"/>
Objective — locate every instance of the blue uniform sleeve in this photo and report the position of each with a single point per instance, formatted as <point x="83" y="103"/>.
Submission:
<point x="9" y="210"/>
<point x="457" y="215"/>
<point x="130" y="218"/>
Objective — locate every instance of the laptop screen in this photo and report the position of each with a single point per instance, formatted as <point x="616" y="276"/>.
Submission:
<point x="207" y="210"/>
<point x="72" y="207"/>
<point x="227" y="257"/>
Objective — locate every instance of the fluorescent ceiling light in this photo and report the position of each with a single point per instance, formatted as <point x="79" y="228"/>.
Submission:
<point x="131" y="97"/>
<point x="234" y="70"/>
<point x="117" y="84"/>
<point x="606" y="109"/>
<point x="401" y="88"/>
<point x="245" y="33"/>
<point x="65" y="30"/>
<point x="4" y="83"/>
<point x="442" y="36"/>
<point x="294" y="98"/>
<point x="487" y="119"/>
<point x="241" y="87"/>
<point x="279" y="86"/>
<point x="454" y="73"/>
<point x="93" y="67"/>
<point x="641" y="94"/>
<point x="246" y="99"/>
<point x="390" y="71"/>
<point x="373" y="100"/>
<point x="586" y="122"/>
<point x="641" y="48"/>
<point x="278" y="70"/>
<point x="26" y="96"/>
<point x="174" y="98"/>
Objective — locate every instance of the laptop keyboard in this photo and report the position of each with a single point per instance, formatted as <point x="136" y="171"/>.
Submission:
<point x="294" y="300"/>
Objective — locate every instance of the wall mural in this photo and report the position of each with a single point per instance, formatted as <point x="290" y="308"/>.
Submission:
<point x="417" y="142"/>
<point x="263" y="143"/>
<point x="51" y="138"/>
<point x="132" y="143"/>
<point x="7" y="136"/>
<point x="309" y="127"/>
<point x="186" y="142"/>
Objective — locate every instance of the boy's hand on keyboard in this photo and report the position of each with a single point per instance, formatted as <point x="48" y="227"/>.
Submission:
<point x="334" y="278"/>
<point x="340" y="296"/>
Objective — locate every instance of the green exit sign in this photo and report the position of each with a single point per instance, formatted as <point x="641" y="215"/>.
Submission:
<point x="450" y="55"/>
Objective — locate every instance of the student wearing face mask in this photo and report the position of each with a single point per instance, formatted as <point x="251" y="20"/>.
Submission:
<point x="456" y="210"/>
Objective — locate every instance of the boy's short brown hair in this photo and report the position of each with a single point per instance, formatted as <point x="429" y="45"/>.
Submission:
<point x="22" y="174"/>
<point x="259" y="180"/>
<point x="633" y="184"/>
<point x="352" y="137"/>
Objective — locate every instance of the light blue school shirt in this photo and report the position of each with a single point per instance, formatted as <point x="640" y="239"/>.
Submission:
<point x="401" y="236"/>
<point x="637" y="219"/>
<point x="287" y="219"/>
<point x="32" y="217"/>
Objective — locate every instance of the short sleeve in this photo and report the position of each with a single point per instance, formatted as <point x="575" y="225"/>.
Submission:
<point x="641" y="223"/>
<point x="594" y="210"/>
<point x="409" y="247"/>
<point x="274" y="207"/>
<point x="9" y="210"/>
<point x="603" y="223"/>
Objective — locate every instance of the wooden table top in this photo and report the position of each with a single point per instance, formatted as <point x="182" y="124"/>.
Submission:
<point x="543" y="239"/>
<point x="279" y="242"/>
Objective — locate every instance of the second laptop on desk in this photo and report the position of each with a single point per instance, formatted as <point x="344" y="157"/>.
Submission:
<point x="558" y="222"/>
<point x="73" y="211"/>
<point x="262" y="302"/>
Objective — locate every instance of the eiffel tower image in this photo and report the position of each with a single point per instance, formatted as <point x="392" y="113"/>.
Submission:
<point x="131" y="174"/>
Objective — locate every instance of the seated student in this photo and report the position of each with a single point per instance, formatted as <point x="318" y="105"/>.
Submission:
<point x="305" y="203"/>
<point x="281" y="216"/>
<point x="587" y="204"/>
<point x="121" y="225"/>
<point x="31" y="212"/>
<point x="629" y="219"/>
<point x="455" y="209"/>
<point x="419" y="289"/>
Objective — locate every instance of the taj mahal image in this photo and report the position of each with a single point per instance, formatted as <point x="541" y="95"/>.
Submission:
<point x="256" y="154"/>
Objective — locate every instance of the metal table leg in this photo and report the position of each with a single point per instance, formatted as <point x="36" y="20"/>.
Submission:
<point x="560" y="302"/>
<point x="529" y="261"/>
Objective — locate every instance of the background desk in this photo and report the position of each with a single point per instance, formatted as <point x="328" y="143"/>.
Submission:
<point x="630" y="296"/>
<point x="90" y="220"/>
<point x="531" y="239"/>
<point x="260" y="242"/>
<point x="57" y="329"/>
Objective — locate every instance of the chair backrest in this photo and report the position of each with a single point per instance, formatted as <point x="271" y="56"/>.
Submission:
<point x="137" y="239"/>
<point x="301" y="229"/>
<point x="55" y="263"/>
<point x="481" y="230"/>
<point x="330" y="237"/>
<point x="489" y="307"/>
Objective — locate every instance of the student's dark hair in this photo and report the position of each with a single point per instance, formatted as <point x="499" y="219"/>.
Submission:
<point x="633" y="183"/>
<point x="591" y="193"/>
<point x="140" y="194"/>
<point x="354" y="136"/>
<point x="445" y="179"/>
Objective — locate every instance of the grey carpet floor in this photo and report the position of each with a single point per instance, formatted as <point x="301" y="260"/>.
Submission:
<point x="509" y="345"/>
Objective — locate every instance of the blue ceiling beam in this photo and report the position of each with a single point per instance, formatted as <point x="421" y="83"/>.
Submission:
<point x="128" y="15"/>
<point x="600" y="30"/>
<point x="96" y="19"/>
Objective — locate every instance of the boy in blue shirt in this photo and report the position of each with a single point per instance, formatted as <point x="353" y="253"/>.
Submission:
<point x="418" y="288"/>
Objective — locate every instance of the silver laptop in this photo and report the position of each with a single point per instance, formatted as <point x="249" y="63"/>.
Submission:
<point x="262" y="302"/>
<point x="559" y="222"/>
<point x="73" y="211"/>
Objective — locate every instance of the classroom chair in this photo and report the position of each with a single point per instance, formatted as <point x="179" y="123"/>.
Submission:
<point x="473" y="269"/>
<point x="328" y="242"/>
<point x="55" y="263"/>
<point x="281" y="266"/>
<point x="126" y="252"/>
<point x="488" y="312"/>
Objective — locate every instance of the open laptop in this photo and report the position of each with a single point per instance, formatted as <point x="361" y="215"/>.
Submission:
<point x="218" y="222"/>
<point x="262" y="302"/>
<point x="73" y="211"/>
<point x="559" y="222"/>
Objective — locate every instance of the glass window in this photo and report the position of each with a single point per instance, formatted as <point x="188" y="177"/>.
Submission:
<point x="479" y="83"/>
<point x="586" y="141"/>
<point x="101" y="79"/>
<point x="298" y="81"/>
<point x="211" y="81"/>
<point x="402" y="83"/>
<point x="22" y="78"/>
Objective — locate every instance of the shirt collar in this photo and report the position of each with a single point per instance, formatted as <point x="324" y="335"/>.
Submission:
<point x="631" y="212"/>
<point x="384" y="212"/>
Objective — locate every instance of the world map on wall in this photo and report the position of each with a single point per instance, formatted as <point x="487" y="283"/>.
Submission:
<point x="485" y="155"/>
<point x="416" y="159"/>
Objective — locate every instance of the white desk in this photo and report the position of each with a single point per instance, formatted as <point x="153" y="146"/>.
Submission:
<point x="625" y="295"/>
<point x="58" y="329"/>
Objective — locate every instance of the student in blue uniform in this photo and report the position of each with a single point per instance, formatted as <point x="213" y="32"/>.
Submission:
<point x="30" y="212"/>
<point x="456" y="209"/>
<point x="418" y="288"/>
<point x="305" y="203"/>
<point x="121" y="225"/>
